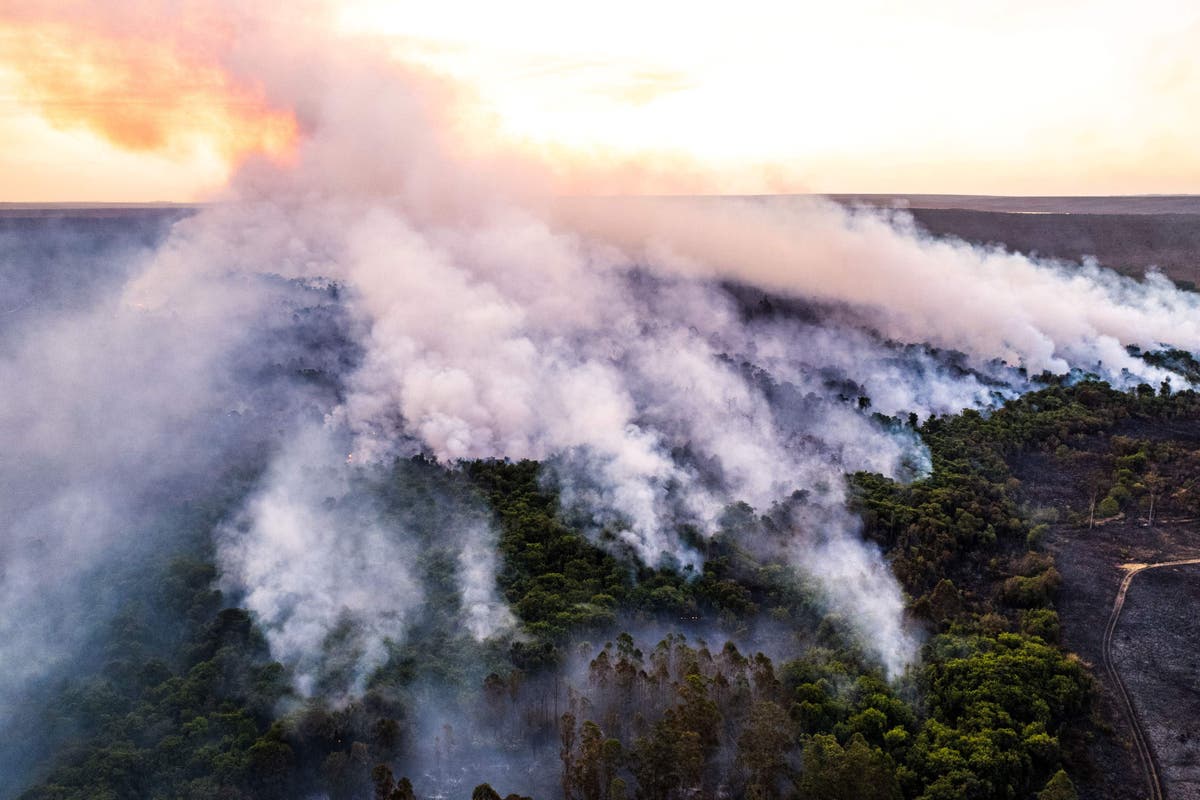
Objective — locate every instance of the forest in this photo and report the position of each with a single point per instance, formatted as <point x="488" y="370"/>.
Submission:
<point x="627" y="681"/>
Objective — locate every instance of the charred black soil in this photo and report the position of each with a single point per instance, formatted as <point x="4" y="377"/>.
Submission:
<point x="1154" y="650"/>
<point x="1154" y="647"/>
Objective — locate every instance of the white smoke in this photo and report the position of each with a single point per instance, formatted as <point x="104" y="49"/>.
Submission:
<point x="485" y="615"/>
<point x="985" y="302"/>
<point x="315" y="560"/>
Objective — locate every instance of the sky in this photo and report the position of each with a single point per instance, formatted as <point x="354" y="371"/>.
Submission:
<point x="926" y="96"/>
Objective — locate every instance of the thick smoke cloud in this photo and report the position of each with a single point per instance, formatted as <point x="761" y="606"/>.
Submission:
<point x="986" y="303"/>
<point x="595" y="335"/>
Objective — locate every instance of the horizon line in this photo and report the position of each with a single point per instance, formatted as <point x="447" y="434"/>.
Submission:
<point x="147" y="204"/>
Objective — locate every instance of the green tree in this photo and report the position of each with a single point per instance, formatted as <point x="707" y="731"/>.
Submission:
<point x="1059" y="787"/>
<point x="857" y="772"/>
<point x="1109" y="507"/>
<point x="764" y="746"/>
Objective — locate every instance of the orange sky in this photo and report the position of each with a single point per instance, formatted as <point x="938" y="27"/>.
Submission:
<point x="1051" y="97"/>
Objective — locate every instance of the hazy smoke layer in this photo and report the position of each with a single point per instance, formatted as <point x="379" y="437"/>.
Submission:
<point x="102" y="406"/>
<point x="118" y="422"/>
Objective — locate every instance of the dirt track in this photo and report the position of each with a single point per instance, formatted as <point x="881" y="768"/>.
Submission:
<point x="1145" y="754"/>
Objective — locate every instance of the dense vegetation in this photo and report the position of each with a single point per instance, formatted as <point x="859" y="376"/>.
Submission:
<point x="790" y="707"/>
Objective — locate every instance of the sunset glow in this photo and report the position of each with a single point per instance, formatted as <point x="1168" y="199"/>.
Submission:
<point x="1025" y="98"/>
<point x="97" y="115"/>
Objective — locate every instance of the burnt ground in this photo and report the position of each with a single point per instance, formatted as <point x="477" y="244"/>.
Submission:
<point x="1157" y="643"/>
<point x="1087" y="561"/>
<point x="1155" y="651"/>
<point x="1155" y="646"/>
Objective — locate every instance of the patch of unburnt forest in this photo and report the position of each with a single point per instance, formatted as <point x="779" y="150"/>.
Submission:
<point x="789" y="706"/>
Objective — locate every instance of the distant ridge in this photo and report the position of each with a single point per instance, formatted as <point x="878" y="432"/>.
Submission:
<point x="96" y="210"/>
